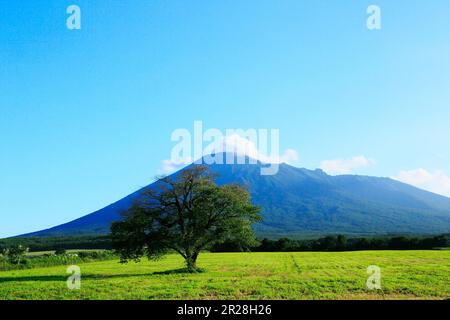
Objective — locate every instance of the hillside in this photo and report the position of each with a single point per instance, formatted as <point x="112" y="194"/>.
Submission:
<point x="301" y="202"/>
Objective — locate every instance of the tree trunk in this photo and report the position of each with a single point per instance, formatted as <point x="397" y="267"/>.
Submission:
<point x="191" y="262"/>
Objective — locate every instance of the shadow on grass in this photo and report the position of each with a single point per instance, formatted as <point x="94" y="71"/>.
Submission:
<point x="97" y="276"/>
<point x="32" y="278"/>
<point x="179" y="271"/>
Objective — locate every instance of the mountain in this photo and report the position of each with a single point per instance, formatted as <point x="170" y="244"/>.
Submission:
<point x="299" y="202"/>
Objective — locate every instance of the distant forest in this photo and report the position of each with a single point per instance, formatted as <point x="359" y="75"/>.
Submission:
<point x="328" y="243"/>
<point x="342" y="243"/>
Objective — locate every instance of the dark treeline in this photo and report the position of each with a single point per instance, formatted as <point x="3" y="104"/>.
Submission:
<point x="341" y="243"/>
<point x="329" y="243"/>
<point x="58" y="243"/>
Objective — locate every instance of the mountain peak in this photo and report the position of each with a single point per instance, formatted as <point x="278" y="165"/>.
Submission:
<point x="298" y="201"/>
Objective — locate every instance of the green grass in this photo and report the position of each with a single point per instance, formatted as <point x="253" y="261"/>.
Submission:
<point x="309" y="275"/>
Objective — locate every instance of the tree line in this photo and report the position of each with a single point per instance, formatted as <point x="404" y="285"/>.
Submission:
<point x="340" y="243"/>
<point x="329" y="243"/>
<point x="58" y="243"/>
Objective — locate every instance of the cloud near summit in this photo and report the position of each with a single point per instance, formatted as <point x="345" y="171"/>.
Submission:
<point x="241" y="146"/>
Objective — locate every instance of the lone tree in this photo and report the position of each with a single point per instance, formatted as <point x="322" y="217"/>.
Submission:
<point x="185" y="213"/>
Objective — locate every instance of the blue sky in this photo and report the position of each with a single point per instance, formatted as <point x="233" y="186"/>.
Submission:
<point x="86" y="115"/>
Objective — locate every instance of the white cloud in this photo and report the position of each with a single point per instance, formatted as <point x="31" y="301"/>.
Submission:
<point x="290" y="156"/>
<point x="233" y="144"/>
<point x="168" y="166"/>
<point x="437" y="181"/>
<point x="245" y="147"/>
<point x="345" y="166"/>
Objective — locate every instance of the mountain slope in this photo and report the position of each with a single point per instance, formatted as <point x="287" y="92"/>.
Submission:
<point x="304" y="202"/>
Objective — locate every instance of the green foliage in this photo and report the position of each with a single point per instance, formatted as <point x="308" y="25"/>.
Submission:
<point x="15" y="254"/>
<point x="284" y="244"/>
<point x="49" y="259"/>
<point x="341" y="243"/>
<point x="186" y="213"/>
<point x="57" y="243"/>
<point x="59" y="252"/>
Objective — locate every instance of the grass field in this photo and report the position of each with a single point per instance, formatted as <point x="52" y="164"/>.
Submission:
<point x="308" y="275"/>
